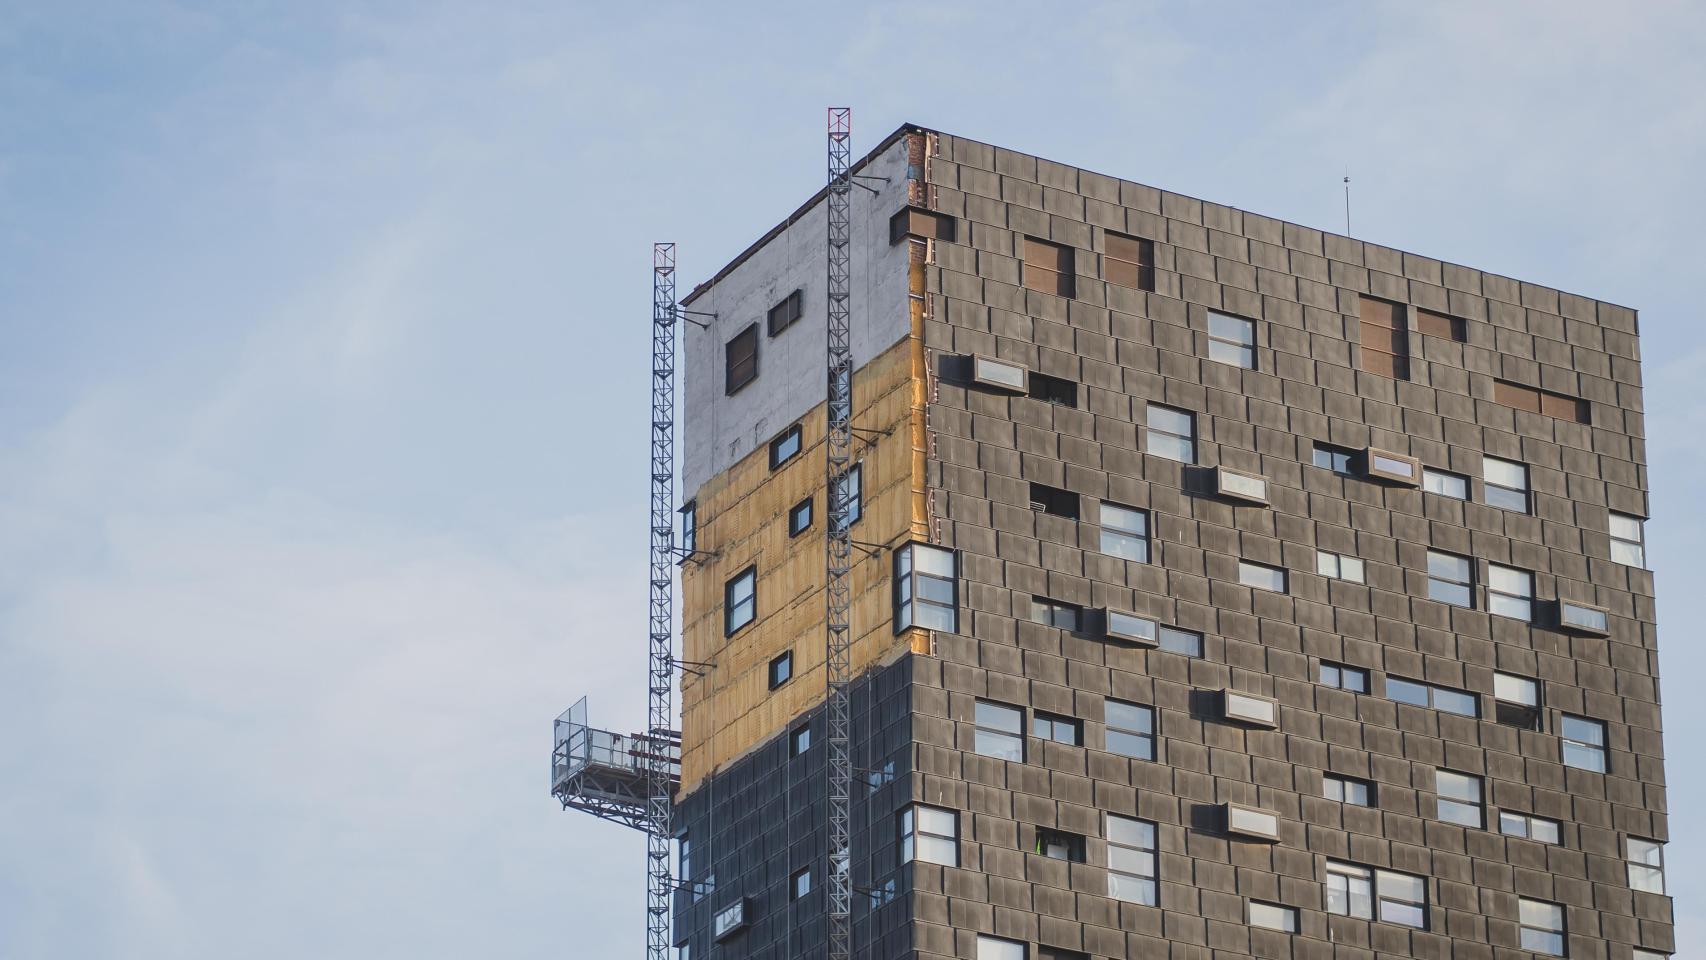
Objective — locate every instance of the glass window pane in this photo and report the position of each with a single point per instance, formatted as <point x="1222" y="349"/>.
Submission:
<point x="1001" y="746"/>
<point x="1453" y="701"/>
<point x="1448" y="567"/>
<point x="1326" y="564"/>
<point x="1510" y="580"/>
<point x="1513" y="500"/>
<point x="1626" y="527"/>
<point x="1515" y="689"/>
<point x="1230" y="328"/>
<point x="998" y="717"/>
<point x="1405" y="691"/>
<point x="1628" y="554"/>
<point x="1136" y="746"/>
<point x="1125" y="546"/>
<point x="1170" y="447"/>
<point x="934" y="560"/>
<point x="936" y="820"/>
<point x="1181" y="641"/>
<point x="1584" y="758"/>
<point x="1222" y="352"/>
<point x="1504" y="473"/>
<point x="1168" y="420"/>
<point x="938" y="850"/>
<point x="932" y="617"/>
<point x="1546" y="831"/>
<point x="1273" y="917"/>
<point x="1585" y="731"/>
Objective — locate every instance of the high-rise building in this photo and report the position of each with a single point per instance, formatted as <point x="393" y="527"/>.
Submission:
<point x="1224" y="587"/>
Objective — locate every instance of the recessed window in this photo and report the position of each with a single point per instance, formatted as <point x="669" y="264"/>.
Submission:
<point x="740" y="600"/>
<point x="689" y="527"/>
<point x="1046" y="952"/>
<point x="1538" y="829"/>
<point x="1131" y="729"/>
<point x="783" y="314"/>
<point x="1187" y="642"/>
<point x="1459" y="797"/>
<point x="995" y="948"/>
<point x="1054" y="501"/>
<point x="1449" y="579"/>
<point x="781" y="669"/>
<point x="1510" y="592"/>
<point x="1354" y="679"/>
<point x="1273" y="916"/>
<point x="1584" y="743"/>
<point x="1048" y="267"/>
<point x="1172" y="433"/>
<point x="1231" y="340"/>
<point x="1442" y="325"/>
<point x="1125" y="532"/>
<point x="1506" y="484"/>
<point x="1357" y="793"/>
<point x="800" y="517"/>
<point x="1129" y="261"/>
<point x="1628" y="540"/>
<point x="1640" y="954"/>
<point x="1053" y="726"/>
<point x="1427" y="695"/>
<point x="1053" y="390"/>
<point x="1261" y="576"/>
<point x="684" y="865"/>
<point x="1542" y="926"/>
<point x="1335" y="458"/>
<point x="1445" y="483"/>
<point x="1385" y="338"/>
<point x="800" y="883"/>
<point x="852" y="486"/>
<point x="800" y="740"/>
<point x="1337" y="566"/>
<point x="1646" y="865"/>
<point x="1544" y="402"/>
<point x="1057" y="613"/>
<point x="929" y="834"/>
<point x="926" y="588"/>
<point x="1131" y="860"/>
<point x="1372" y="894"/>
<point x="1059" y="845"/>
<point x="740" y="360"/>
<point x="1516" y="701"/>
<point x="999" y="731"/>
<point x="785" y="447"/>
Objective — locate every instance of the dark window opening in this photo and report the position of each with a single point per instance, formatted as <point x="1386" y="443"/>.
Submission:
<point x="1054" y="501"/>
<point x="1053" y="390"/>
<point x="740" y="360"/>
<point x="1059" y="845"/>
<point x="783" y="314"/>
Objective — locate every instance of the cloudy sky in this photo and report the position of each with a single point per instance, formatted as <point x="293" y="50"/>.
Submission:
<point x="323" y="330"/>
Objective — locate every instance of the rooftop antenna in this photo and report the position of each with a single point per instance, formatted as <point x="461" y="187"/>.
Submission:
<point x="1347" y="201"/>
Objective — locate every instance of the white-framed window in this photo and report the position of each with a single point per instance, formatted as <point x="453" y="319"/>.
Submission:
<point x="1459" y="702"/>
<point x="1529" y="826"/>
<point x="930" y="835"/>
<point x="1459" y="799"/>
<point x="1130" y="729"/>
<point x="1516" y="701"/>
<point x="1354" y="679"/>
<point x="1131" y="860"/>
<point x="1445" y="483"/>
<point x="1261" y="576"/>
<point x="1357" y="793"/>
<point x="1172" y="433"/>
<point x="998" y="731"/>
<point x="1273" y="916"/>
<point x="997" y="948"/>
<point x="1231" y="340"/>
<point x="1187" y="642"/>
<point x="1125" y="532"/>
<point x="1510" y="592"/>
<point x="1646" y="865"/>
<point x="926" y="588"/>
<point x="740" y="600"/>
<point x="1628" y="540"/>
<point x="1450" y="579"/>
<point x="1583" y="743"/>
<point x="1337" y="566"/>
<point x="1506" y="484"/>
<point x="1373" y="894"/>
<point x="1542" y="926"/>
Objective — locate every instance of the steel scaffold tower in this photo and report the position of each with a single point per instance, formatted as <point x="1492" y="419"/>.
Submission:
<point x="839" y="545"/>
<point x="659" y="783"/>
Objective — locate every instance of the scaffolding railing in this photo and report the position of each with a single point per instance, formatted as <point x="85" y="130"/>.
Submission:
<point x="604" y="773"/>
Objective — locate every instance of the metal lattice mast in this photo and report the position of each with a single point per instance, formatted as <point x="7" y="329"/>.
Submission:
<point x="839" y="544"/>
<point x="659" y="799"/>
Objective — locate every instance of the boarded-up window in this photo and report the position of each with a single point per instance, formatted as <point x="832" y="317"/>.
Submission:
<point x="1129" y="261"/>
<point x="1048" y="267"/>
<point x="1441" y="325"/>
<point x="1385" y="339"/>
<point x="740" y="360"/>
<point x="785" y="313"/>
<point x="917" y="222"/>
<point x="1540" y="401"/>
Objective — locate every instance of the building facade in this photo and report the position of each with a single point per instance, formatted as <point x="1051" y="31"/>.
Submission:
<point x="1226" y="588"/>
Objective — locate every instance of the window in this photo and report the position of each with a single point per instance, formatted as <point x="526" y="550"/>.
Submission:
<point x="852" y="486"/>
<point x="999" y="731"/>
<point x="1584" y="743"/>
<point x="1045" y="952"/>
<point x="1449" y="579"/>
<point x="1125" y="532"/>
<point x="783" y="314"/>
<point x="999" y="374"/>
<point x="800" y="740"/>
<point x="1261" y="576"/>
<point x="1053" y="390"/>
<point x="785" y="447"/>
<point x="781" y="669"/>
<point x="1544" y="402"/>
<point x="1231" y="340"/>
<point x="1357" y="793"/>
<point x="1273" y="916"/>
<point x="800" y="883"/>
<point x="1542" y="926"/>
<point x="684" y="866"/>
<point x="1428" y="695"/>
<point x="740" y="600"/>
<point x="1354" y="679"/>
<point x="929" y="835"/>
<point x="1442" y="325"/>
<point x="1060" y="845"/>
<point x="1057" y="613"/>
<point x="1584" y="618"/>
<point x="1381" y="464"/>
<point x="1459" y="799"/>
<point x="1538" y="829"/>
<point x="689" y="527"/>
<point x="1172" y="434"/>
<point x="800" y="517"/>
<point x="1446" y="484"/>
<point x="1337" y="459"/>
<point x="1506" y="484"/>
<point x="1628" y="540"/>
<point x="926" y="589"/>
<point x="1510" y="592"/>
<point x="1240" y="486"/>
<point x="1186" y="642"/>
<point x="924" y="224"/>
<point x="1054" y="501"/>
<point x="1129" y="261"/>
<point x="1048" y="267"/>
<point x="1051" y="726"/>
<point x="740" y="360"/>
<point x="1131" y="729"/>
<point x="1131" y="860"/>
<point x="1337" y="566"/>
<point x="1650" y="955"/>
<point x="1246" y="708"/>
<point x="1372" y="894"/>
<point x="1385" y="338"/>
<point x="1516" y="701"/>
<point x="995" y="948"/>
<point x="1646" y="865"/>
<point x="1123" y="625"/>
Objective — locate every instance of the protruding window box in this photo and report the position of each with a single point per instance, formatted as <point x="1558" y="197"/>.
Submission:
<point x="999" y="374"/>
<point x="1129" y="627"/>
<point x="1248" y="709"/>
<point x="1392" y="467"/>
<point x="1240" y="486"/>
<point x="1256" y="824"/>
<point x="730" y="920"/>
<point x="1584" y="618"/>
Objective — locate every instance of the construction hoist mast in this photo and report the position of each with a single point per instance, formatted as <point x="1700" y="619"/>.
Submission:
<point x="661" y="776"/>
<point x="839" y="544"/>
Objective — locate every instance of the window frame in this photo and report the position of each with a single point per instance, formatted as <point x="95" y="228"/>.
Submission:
<point x="1342" y="786"/>
<point x="1645" y="867"/>
<point x="1049" y="726"/>
<point x="914" y="588"/>
<point x="911" y="827"/>
<point x="782" y="663"/>
<point x="1147" y="885"/>
<point x="1445" y="583"/>
<point x="1054" y="501"/>
<point x="800" y="740"/>
<point x="1334" y="566"/>
<point x="795" y="527"/>
<point x="1432" y="478"/>
<point x="1033" y="271"/>
<point x="1528" y="821"/>
<point x="1188" y="439"/>
<point x="1505" y="491"/>
<point x="1115" y="731"/>
<point x="1636" y="547"/>
<point x="1114" y="264"/>
<point x="1124" y="536"/>
<point x="1544" y="935"/>
<point x="1054" y="608"/>
<point x="1501" y="601"/>
<point x="1566" y="740"/>
<point x="780" y="443"/>
<point x="1372" y="903"/>
<point x="730" y="384"/>
<point x="1332" y="674"/>
<point x="1072" y="845"/>
<point x="1516" y="712"/>
<point x="1008" y="949"/>
<point x="1244" y="349"/>
<point x="981" y="727"/>
<point x="1286" y="916"/>
<point x="784" y="314"/>
<point x="1382" y="321"/>
<point x="794" y="891"/>
<point x="1246" y="567"/>
<point x="1341" y="461"/>
<point x="1185" y="643"/>
<point x="750" y="574"/>
<point x="853" y="478"/>
<point x="1433" y="692"/>
<point x="1057" y="391"/>
<point x="1454" y="807"/>
<point x="689" y="512"/>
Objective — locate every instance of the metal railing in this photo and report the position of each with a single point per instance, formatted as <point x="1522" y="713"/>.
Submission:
<point x="578" y="746"/>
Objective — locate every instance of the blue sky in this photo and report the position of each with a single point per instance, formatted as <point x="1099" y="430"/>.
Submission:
<point x="323" y="330"/>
